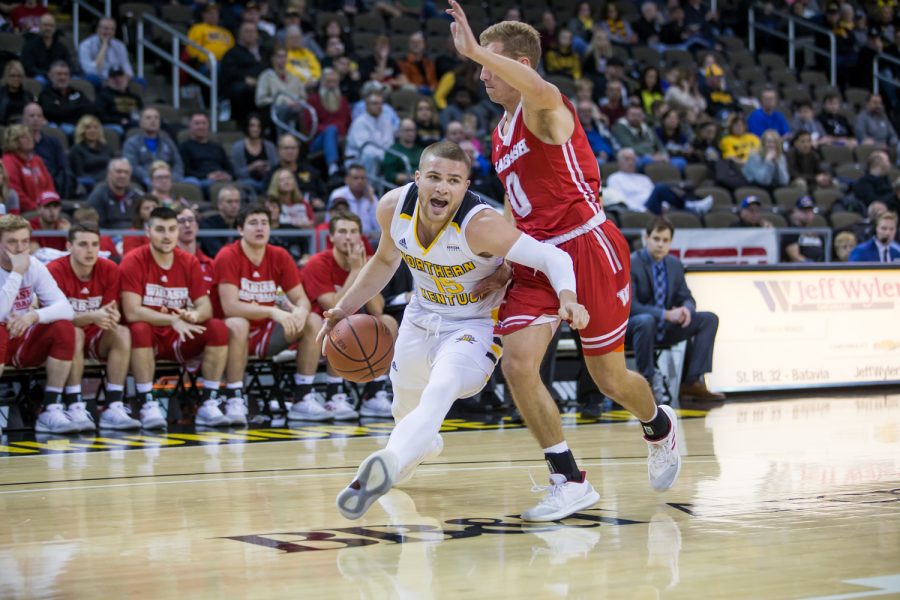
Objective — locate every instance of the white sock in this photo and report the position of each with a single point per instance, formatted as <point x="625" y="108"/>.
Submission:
<point x="72" y="389"/>
<point x="237" y="385"/>
<point x="333" y="380"/>
<point x="54" y="389"/>
<point x="304" y="379"/>
<point x="143" y="388"/>
<point x="115" y="387"/>
<point x="557" y="448"/>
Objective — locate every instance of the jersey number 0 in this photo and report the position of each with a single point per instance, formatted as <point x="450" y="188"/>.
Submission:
<point x="517" y="198"/>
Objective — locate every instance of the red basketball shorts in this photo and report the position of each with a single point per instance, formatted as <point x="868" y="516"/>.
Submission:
<point x="603" y="275"/>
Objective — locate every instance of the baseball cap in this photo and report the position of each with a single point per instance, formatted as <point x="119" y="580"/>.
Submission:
<point x="116" y="71"/>
<point x="805" y="202"/>
<point x="339" y="202"/>
<point x="746" y="202"/>
<point x="48" y="197"/>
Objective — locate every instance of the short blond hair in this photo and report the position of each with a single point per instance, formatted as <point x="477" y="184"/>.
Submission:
<point x="11" y="137"/>
<point x="82" y="125"/>
<point x="518" y="39"/>
<point x="13" y="223"/>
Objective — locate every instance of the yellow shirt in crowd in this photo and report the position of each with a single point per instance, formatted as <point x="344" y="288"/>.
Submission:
<point x="739" y="146"/>
<point x="217" y="40"/>
<point x="304" y="65"/>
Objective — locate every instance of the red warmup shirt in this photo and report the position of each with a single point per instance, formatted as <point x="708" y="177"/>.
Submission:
<point x="86" y="296"/>
<point x="177" y="287"/>
<point x="257" y="284"/>
<point x="206" y="267"/>
<point x="57" y="243"/>
<point x="322" y="275"/>
<point x="133" y="242"/>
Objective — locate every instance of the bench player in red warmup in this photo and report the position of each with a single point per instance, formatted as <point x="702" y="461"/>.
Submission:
<point x="552" y="183"/>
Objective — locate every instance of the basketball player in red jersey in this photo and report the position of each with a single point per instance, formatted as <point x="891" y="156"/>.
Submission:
<point x="166" y="303"/>
<point x="552" y="183"/>
<point x="91" y="284"/>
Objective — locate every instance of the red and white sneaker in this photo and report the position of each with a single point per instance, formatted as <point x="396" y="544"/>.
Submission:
<point x="663" y="460"/>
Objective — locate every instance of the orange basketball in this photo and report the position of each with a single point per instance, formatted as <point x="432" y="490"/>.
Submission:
<point x="360" y="348"/>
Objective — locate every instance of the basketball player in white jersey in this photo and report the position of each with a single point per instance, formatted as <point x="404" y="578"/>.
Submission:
<point x="446" y="349"/>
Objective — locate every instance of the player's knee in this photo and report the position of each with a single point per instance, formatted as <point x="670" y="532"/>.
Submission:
<point x="238" y="327"/>
<point x="122" y="337"/>
<point x="390" y="322"/>
<point x="216" y="333"/>
<point x="63" y="335"/>
<point x="518" y="368"/>
<point x="313" y="324"/>
<point x="79" y="340"/>
<point x="141" y="335"/>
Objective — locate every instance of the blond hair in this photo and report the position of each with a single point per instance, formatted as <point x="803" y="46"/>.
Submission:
<point x="83" y="122"/>
<point x="4" y="184"/>
<point x="12" y="135"/>
<point x="273" y="191"/>
<point x="518" y="39"/>
<point x="159" y="165"/>
<point x="13" y="223"/>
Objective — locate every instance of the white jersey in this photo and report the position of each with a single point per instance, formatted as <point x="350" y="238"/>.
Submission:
<point x="18" y="292"/>
<point x="447" y="270"/>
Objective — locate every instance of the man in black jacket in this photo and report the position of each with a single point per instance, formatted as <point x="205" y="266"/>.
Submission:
<point x="63" y="105"/>
<point x="241" y="67"/>
<point x="43" y="49"/>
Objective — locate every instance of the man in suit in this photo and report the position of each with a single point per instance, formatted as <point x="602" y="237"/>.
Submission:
<point x="664" y="312"/>
<point x="881" y="248"/>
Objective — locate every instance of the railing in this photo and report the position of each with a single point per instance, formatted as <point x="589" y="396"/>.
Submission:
<point x="876" y="72"/>
<point x="76" y="15"/>
<point x="791" y="37"/>
<point x="174" y="58"/>
<point x="285" y="127"/>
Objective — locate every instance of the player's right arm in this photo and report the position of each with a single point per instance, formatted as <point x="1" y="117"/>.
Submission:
<point x="233" y="307"/>
<point x="136" y="312"/>
<point x="376" y="273"/>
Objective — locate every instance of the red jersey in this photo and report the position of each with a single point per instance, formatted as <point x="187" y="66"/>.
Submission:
<point x="552" y="189"/>
<point x="160" y="289"/>
<point x="86" y="296"/>
<point x="256" y="284"/>
<point x="133" y="242"/>
<point x="206" y="267"/>
<point x="57" y="243"/>
<point x="322" y="275"/>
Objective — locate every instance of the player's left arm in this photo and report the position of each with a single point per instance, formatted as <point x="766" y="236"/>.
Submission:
<point x="203" y="309"/>
<point x="54" y="304"/>
<point x="488" y="233"/>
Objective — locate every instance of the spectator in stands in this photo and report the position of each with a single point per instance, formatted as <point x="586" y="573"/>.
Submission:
<point x="188" y="226"/>
<point x="26" y="17"/>
<point x="253" y="157"/>
<point x="380" y="66"/>
<point x="639" y="193"/>
<point x="873" y="126"/>
<point x="228" y="205"/>
<point x="750" y="214"/>
<point x="805" y="120"/>
<point x="327" y="277"/>
<point x="9" y="198"/>
<point x="333" y="112"/>
<point x="301" y="61"/>
<point x="648" y="26"/>
<point x="844" y="243"/>
<point x="28" y="175"/>
<point x="49" y="218"/>
<point x="150" y="145"/>
<point x="427" y="123"/>
<point x="369" y="134"/>
<point x="205" y="161"/>
<point x="618" y="29"/>
<point x="64" y="105"/>
<point x="684" y="96"/>
<point x="393" y="168"/>
<point x="598" y="54"/>
<point x="297" y="247"/>
<point x="650" y="90"/>
<point x="602" y="142"/>
<point x="41" y="51"/>
<point x="701" y="20"/>
<point x="295" y="210"/>
<point x="663" y="312"/>
<point x="278" y="80"/>
<point x="455" y="132"/>
<point x="35" y="337"/>
<point x="360" y="197"/>
<point x="613" y="104"/>
<point x="91" y="284"/>
<point x="253" y="15"/>
<point x="865" y="229"/>
<point x="562" y="59"/>
<point x="102" y="53"/>
<point x="738" y="144"/>
<point x="802" y="247"/>
<point x="114" y="199"/>
<point x="766" y="117"/>
<point x="417" y="68"/>
<point x="90" y="154"/>
<point x="837" y="128"/>
<point x="548" y="28"/>
<point x="211" y="36"/>
<point x="461" y="103"/>
<point x="720" y="101"/>
<point x="706" y="143"/>
<point x="805" y="164"/>
<point x="883" y="247"/>
<point x="167" y="306"/>
<point x="48" y="148"/>
<point x="675" y="138"/>
<point x="161" y="186"/>
<point x="876" y="183"/>
<point x="241" y="67"/>
<point x="631" y="131"/>
<point x="767" y="167"/>
<point x="248" y="272"/>
<point x="463" y="75"/>
<point x="13" y="95"/>
<point x="118" y="106"/>
<point x="139" y="220"/>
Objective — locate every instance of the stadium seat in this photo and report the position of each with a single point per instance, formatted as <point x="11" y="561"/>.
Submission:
<point x="720" y="219"/>
<point x="825" y="199"/>
<point x="635" y="220"/>
<point x="607" y="169"/>
<point x="646" y="56"/>
<point x="818" y="221"/>
<point x="404" y="101"/>
<point x="12" y="42"/>
<point x="843" y="219"/>
<point x="134" y="10"/>
<point x="177" y="14"/>
<point x="565" y="84"/>
<point x="662" y="172"/>
<point x="363" y="43"/>
<point x="772" y="61"/>
<point x="721" y="196"/>
<point x="33" y="85"/>
<point x="190" y="192"/>
<point x="324" y="17"/>
<point x="856" y="97"/>
<point x="372" y="22"/>
<point x="863" y="151"/>
<point x="762" y="194"/>
<point x="786" y="197"/>
<point x="836" y="155"/>
<point x="405" y="25"/>
<point x="683" y="219"/>
<point x="775" y="219"/>
<point x="848" y="172"/>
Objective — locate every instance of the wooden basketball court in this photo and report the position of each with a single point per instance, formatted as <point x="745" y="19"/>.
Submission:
<point x="794" y="498"/>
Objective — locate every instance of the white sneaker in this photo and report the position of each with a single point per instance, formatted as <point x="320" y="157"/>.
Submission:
<point x="340" y="409"/>
<point x="236" y="411"/>
<point x="565" y="543"/>
<point x="309" y="409"/>
<point x="54" y="419"/>
<point x="406" y="473"/>
<point x="79" y="415"/>
<point x="701" y="206"/>
<point x="151" y="416"/>
<point x="664" y="549"/>
<point x="664" y="461"/>
<point x="378" y="405"/>
<point x="562" y="499"/>
<point x="374" y="479"/>
<point x="210" y="415"/>
<point x="116" y="416"/>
